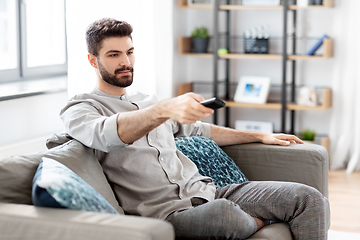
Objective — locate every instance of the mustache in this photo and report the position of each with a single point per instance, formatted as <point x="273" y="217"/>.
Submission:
<point x="124" y="68"/>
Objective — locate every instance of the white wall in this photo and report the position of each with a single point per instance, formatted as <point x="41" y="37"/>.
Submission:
<point x="318" y="73"/>
<point x="28" y="118"/>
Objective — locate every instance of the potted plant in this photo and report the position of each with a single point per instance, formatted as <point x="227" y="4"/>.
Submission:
<point x="200" y="39"/>
<point x="307" y="135"/>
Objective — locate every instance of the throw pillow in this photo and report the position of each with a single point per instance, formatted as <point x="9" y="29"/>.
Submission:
<point x="211" y="160"/>
<point x="17" y="172"/>
<point x="55" y="185"/>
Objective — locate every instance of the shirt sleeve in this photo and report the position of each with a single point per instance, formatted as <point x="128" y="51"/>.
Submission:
<point x="84" y="123"/>
<point x="184" y="130"/>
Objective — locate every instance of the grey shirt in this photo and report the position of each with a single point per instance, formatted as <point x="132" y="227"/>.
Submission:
<point x="150" y="177"/>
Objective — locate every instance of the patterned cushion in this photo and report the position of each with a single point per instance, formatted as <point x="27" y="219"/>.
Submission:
<point x="211" y="160"/>
<point x="55" y="185"/>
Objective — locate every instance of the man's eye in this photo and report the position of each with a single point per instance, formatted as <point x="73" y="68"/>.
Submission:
<point x="113" y="55"/>
<point x="130" y="53"/>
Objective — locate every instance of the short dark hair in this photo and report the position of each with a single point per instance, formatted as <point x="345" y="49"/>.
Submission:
<point x="104" y="28"/>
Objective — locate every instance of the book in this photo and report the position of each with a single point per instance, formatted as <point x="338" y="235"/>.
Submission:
<point x="317" y="45"/>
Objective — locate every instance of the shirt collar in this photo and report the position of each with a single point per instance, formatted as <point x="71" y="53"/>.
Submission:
<point x="101" y="93"/>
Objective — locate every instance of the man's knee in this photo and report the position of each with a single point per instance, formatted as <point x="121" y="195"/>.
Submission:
<point x="235" y="221"/>
<point x="314" y="201"/>
<point x="310" y="195"/>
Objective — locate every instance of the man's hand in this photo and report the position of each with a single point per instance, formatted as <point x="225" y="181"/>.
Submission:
<point x="280" y="139"/>
<point x="185" y="109"/>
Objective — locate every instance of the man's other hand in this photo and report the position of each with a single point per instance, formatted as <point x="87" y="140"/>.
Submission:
<point x="280" y="139"/>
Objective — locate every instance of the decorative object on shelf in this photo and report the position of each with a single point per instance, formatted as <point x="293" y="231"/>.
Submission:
<point x="316" y="2"/>
<point x="307" y="96"/>
<point x="261" y="2"/>
<point x="302" y="3"/>
<point x="199" y="2"/>
<point x="200" y="39"/>
<point x="254" y="126"/>
<point x="256" y="40"/>
<point x="307" y="135"/>
<point x="222" y="51"/>
<point x="317" y="45"/>
<point x="252" y="89"/>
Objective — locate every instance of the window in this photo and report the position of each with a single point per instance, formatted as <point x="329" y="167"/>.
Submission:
<point x="33" y="40"/>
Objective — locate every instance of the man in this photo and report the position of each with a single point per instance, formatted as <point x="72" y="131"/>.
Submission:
<point x="133" y="137"/>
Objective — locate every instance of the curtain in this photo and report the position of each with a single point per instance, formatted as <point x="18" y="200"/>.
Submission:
<point x="345" y="120"/>
<point x="152" y="36"/>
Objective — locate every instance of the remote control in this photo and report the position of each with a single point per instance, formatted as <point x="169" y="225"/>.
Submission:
<point x="213" y="103"/>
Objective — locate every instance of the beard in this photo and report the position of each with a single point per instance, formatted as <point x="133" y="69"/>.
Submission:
<point x="112" y="79"/>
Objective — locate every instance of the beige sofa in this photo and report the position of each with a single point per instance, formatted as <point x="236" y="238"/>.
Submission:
<point x="20" y="220"/>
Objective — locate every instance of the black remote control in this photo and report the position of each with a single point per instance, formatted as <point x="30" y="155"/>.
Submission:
<point x="213" y="103"/>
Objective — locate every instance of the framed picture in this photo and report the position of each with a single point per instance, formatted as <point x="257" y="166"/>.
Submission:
<point x="252" y="90"/>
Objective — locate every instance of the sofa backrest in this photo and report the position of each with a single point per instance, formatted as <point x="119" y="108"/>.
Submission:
<point x="17" y="172"/>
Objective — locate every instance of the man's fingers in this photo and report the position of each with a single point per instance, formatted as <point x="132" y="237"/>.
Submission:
<point x="281" y="142"/>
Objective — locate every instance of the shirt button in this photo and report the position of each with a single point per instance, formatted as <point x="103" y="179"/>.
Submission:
<point x="162" y="159"/>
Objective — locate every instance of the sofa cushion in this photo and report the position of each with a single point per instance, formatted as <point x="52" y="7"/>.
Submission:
<point x="55" y="185"/>
<point x="211" y="160"/>
<point x="17" y="172"/>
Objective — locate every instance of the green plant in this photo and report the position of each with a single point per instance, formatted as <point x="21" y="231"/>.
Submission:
<point x="307" y="135"/>
<point x="200" y="32"/>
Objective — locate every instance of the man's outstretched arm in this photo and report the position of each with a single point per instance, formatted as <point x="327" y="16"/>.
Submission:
<point x="227" y="136"/>
<point x="184" y="109"/>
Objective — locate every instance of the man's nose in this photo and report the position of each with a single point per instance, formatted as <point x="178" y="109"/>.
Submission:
<point x="125" y="60"/>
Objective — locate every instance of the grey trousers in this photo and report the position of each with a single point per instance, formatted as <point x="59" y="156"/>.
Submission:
<point x="229" y="216"/>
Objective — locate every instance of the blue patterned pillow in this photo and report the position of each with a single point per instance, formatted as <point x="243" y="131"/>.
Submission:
<point x="211" y="160"/>
<point x="55" y="185"/>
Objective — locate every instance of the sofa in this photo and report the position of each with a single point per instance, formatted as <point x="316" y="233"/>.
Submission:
<point x="20" y="220"/>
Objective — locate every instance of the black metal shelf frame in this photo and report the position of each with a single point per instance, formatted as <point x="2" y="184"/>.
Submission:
<point x="216" y="37"/>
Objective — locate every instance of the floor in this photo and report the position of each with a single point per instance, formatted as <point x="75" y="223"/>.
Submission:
<point x="344" y="197"/>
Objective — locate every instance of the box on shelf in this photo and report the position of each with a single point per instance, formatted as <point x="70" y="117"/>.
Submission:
<point x="256" y="45"/>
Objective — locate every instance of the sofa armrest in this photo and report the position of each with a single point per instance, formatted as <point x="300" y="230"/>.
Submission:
<point x="303" y="163"/>
<point x="19" y="221"/>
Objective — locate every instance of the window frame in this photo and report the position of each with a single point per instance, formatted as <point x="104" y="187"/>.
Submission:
<point x="22" y="72"/>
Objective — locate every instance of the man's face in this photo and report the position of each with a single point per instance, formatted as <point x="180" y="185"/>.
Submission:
<point x="116" y="60"/>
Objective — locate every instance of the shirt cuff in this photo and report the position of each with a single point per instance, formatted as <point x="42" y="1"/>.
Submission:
<point x="206" y="129"/>
<point x="111" y="134"/>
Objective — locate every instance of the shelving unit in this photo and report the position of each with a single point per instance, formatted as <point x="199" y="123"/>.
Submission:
<point x="185" y="50"/>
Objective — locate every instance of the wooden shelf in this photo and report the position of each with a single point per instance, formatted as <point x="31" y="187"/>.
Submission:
<point x="326" y="101"/>
<point x="326" y="4"/>
<point x="185" y="47"/>
<point x="253" y="105"/>
<point x="250" y="56"/>
<point x="183" y="5"/>
<point x="326" y="104"/>
<point x="241" y="7"/>
<point x="328" y="46"/>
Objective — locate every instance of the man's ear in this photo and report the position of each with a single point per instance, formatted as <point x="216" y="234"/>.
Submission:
<point x="92" y="60"/>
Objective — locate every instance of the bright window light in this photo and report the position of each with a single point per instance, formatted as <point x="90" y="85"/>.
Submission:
<point x="45" y="32"/>
<point x="8" y="39"/>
